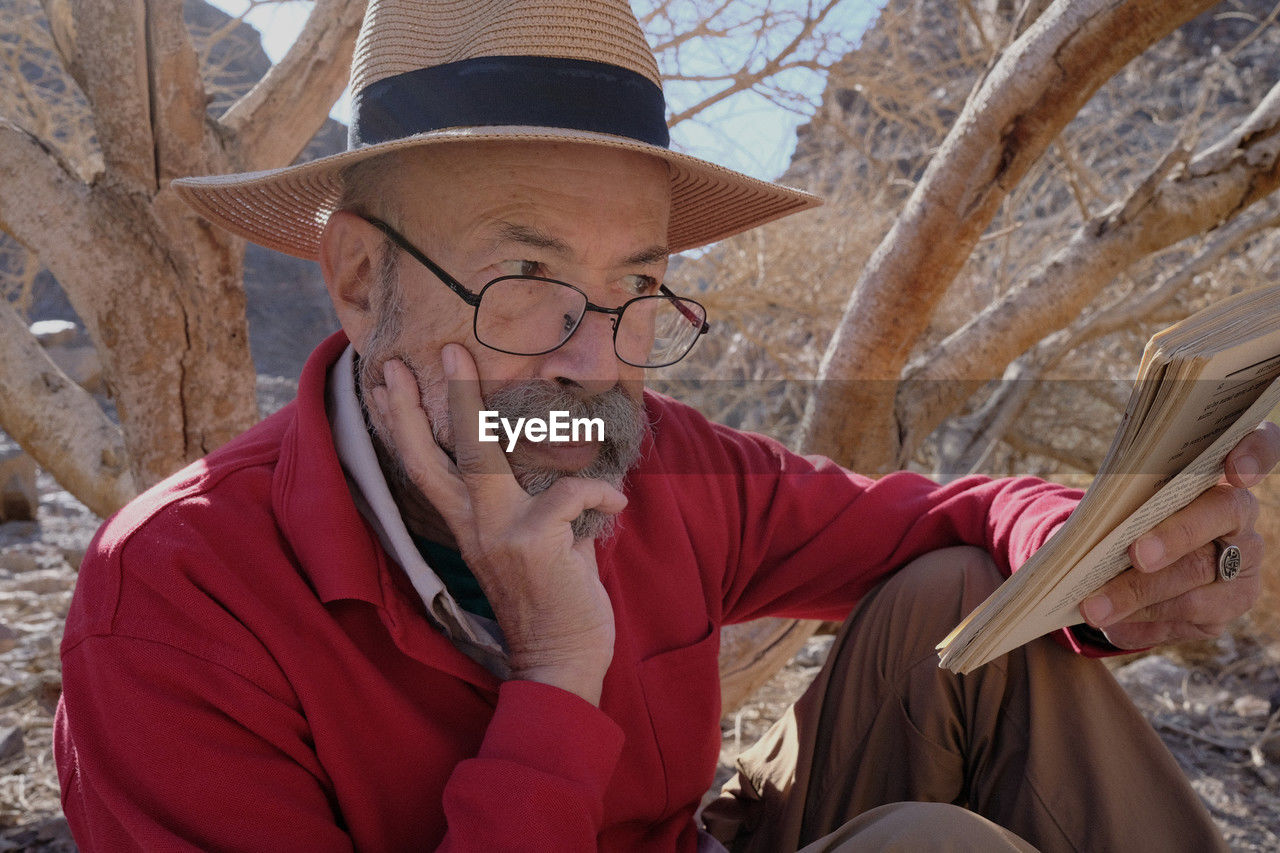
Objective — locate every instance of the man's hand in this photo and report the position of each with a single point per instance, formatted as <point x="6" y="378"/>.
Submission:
<point x="1173" y="592"/>
<point x="543" y="586"/>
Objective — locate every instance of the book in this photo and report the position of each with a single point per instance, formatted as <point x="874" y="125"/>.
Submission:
<point x="1202" y="384"/>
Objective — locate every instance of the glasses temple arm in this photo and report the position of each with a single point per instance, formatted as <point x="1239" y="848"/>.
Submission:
<point x="703" y="325"/>
<point x="450" y="282"/>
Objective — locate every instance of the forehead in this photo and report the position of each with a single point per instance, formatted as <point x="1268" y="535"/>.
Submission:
<point x="576" y="192"/>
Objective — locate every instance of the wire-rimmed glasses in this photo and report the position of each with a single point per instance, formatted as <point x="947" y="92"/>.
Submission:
<point x="530" y="315"/>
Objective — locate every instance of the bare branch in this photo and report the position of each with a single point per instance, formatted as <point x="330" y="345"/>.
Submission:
<point x="1035" y="88"/>
<point x="778" y="62"/>
<point x="111" y="69"/>
<point x="968" y="442"/>
<point x="58" y="423"/>
<point x="29" y="169"/>
<point x="1220" y="183"/>
<point x="276" y="118"/>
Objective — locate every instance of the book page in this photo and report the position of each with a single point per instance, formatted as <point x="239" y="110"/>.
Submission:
<point x="1059" y="607"/>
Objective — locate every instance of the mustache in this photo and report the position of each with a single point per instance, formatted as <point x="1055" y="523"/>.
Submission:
<point x="617" y="409"/>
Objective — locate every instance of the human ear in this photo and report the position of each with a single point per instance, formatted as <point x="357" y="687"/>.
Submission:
<point x="350" y="251"/>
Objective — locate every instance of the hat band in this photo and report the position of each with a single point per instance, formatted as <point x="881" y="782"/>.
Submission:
<point x="489" y="91"/>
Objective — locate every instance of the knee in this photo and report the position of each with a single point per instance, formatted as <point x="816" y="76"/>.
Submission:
<point x="920" y="826"/>
<point x="905" y="617"/>
<point x="941" y="587"/>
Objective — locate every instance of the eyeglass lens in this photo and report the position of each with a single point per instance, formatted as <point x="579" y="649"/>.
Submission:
<point x="529" y="317"/>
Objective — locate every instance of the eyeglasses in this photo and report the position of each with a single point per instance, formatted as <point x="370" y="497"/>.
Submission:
<point x="529" y="315"/>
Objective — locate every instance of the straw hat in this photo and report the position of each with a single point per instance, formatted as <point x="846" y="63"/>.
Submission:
<point x="449" y="72"/>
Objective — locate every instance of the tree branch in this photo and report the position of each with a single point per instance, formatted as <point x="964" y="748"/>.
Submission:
<point x="178" y="95"/>
<point x="275" y="119"/>
<point x="30" y="169"/>
<point x="966" y="443"/>
<point x="58" y="423"/>
<point x="110" y="66"/>
<point x="777" y="63"/>
<point x="1218" y="184"/>
<point x="1035" y="88"/>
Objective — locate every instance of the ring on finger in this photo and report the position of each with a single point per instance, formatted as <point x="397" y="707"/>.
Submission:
<point x="1228" y="559"/>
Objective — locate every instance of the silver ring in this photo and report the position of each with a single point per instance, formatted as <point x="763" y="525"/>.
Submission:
<point x="1228" y="558"/>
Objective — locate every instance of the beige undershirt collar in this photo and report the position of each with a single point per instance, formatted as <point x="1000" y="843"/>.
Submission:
<point x="477" y="637"/>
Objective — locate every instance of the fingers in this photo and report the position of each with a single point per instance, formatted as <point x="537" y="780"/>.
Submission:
<point x="1221" y="511"/>
<point x="1186" y="591"/>
<point x="1144" y="635"/>
<point x="1255" y="456"/>
<point x="428" y="467"/>
<point x="570" y="496"/>
<point x="474" y="458"/>
<point x="1174" y="581"/>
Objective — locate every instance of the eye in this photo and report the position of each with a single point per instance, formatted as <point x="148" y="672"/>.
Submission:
<point x="523" y="267"/>
<point x="640" y="285"/>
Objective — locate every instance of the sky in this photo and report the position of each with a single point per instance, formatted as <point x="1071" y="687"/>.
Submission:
<point x="746" y="132"/>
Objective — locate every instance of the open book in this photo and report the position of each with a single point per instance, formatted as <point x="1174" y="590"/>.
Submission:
<point x="1202" y="385"/>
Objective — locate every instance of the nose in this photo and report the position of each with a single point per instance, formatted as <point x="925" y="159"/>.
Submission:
<point x="586" y="363"/>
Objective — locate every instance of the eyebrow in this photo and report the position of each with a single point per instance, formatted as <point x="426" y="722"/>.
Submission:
<point x="525" y="235"/>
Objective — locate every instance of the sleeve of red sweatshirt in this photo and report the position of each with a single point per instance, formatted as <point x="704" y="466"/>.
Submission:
<point x="816" y="537"/>
<point x="539" y="780"/>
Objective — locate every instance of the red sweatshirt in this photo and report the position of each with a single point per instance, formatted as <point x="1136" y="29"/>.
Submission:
<point x="245" y="668"/>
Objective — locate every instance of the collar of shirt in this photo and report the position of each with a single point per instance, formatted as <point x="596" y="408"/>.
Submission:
<point x="477" y="637"/>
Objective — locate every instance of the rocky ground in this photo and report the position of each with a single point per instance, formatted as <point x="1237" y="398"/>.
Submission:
<point x="1216" y="706"/>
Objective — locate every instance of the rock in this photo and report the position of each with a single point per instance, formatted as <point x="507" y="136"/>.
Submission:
<point x="19" y="497"/>
<point x="815" y="650"/>
<point x="11" y="743"/>
<point x="45" y="581"/>
<point x="52" y="333"/>
<point x="48" y="691"/>
<point x="74" y="555"/>
<point x="1154" y="682"/>
<point x="70" y="348"/>
<point x="8" y="639"/>
<point x="1249" y="705"/>
<point x="18" y="561"/>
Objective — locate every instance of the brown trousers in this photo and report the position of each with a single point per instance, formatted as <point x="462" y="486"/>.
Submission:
<point x="1042" y="742"/>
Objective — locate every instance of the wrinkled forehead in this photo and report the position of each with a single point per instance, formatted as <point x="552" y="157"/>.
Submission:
<point x="559" y="182"/>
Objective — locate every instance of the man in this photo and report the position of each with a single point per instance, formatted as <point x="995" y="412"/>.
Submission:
<point x="361" y="625"/>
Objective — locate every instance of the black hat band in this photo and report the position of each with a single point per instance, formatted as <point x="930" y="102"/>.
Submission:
<point x="489" y="91"/>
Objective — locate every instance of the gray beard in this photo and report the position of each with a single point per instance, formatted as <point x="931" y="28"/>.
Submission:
<point x="625" y="425"/>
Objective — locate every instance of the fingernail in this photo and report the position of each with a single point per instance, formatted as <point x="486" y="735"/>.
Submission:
<point x="1247" y="469"/>
<point x="450" y="360"/>
<point x="1148" y="551"/>
<point x="1095" y="609"/>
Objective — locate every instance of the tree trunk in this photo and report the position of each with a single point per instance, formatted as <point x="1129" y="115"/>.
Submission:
<point x="159" y="289"/>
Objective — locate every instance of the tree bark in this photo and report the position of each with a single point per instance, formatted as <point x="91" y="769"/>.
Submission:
<point x="68" y="435"/>
<point x="104" y="48"/>
<point x="1036" y="87"/>
<point x="751" y="652"/>
<point x="276" y="119"/>
<point x="159" y="289"/>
